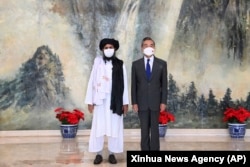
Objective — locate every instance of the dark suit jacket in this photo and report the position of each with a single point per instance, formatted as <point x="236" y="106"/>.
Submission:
<point x="149" y="94"/>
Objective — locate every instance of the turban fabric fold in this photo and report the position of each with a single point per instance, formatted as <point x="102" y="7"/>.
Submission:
<point x="111" y="41"/>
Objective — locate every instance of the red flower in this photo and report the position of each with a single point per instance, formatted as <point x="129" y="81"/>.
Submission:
<point x="68" y="117"/>
<point x="166" y="117"/>
<point x="238" y="115"/>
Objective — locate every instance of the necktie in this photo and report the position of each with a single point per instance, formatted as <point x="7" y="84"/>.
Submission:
<point x="148" y="70"/>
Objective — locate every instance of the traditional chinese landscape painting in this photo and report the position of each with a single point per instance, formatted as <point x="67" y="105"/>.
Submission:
<point x="47" y="48"/>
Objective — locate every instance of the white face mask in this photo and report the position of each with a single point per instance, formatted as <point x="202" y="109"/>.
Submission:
<point x="109" y="52"/>
<point x="149" y="51"/>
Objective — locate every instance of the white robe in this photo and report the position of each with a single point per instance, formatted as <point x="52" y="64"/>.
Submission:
<point x="104" y="122"/>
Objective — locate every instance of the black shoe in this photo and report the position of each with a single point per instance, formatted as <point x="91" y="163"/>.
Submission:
<point x="112" y="159"/>
<point x="98" y="159"/>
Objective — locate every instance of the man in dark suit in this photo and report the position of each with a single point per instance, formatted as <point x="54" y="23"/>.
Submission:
<point x="149" y="93"/>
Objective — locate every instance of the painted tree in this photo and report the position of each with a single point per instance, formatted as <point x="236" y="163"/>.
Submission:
<point x="212" y="103"/>
<point x="182" y="101"/>
<point x="248" y="101"/>
<point x="202" y="106"/>
<point x="173" y="91"/>
<point x="227" y="100"/>
<point x="191" y="98"/>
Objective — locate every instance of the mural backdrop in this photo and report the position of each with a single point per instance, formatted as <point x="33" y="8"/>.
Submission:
<point x="47" y="48"/>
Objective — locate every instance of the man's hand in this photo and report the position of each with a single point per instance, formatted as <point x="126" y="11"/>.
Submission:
<point x="135" y="107"/>
<point x="163" y="107"/>
<point x="91" y="108"/>
<point x="125" y="109"/>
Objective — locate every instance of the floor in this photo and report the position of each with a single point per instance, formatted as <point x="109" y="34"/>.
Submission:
<point x="48" y="149"/>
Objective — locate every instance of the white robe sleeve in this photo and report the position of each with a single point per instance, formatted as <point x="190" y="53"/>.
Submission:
<point x="90" y="90"/>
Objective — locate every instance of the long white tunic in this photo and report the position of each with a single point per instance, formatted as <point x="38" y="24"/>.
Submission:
<point x="104" y="122"/>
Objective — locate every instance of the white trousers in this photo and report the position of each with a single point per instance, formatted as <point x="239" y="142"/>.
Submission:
<point x="115" y="145"/>
<point x="106" y="124"/>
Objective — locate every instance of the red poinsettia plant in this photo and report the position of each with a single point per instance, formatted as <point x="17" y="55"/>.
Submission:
<point x="69" y="117"/>
<point x="166" y="117"/>
<point x="236" y="115"/>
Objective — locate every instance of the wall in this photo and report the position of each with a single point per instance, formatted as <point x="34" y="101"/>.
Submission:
<point x="204" y="42"/>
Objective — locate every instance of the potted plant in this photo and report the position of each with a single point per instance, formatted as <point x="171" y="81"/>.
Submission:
<point x="164" y="118"/>
<point x="69" y="121"/>
<point x="236" y="119"/>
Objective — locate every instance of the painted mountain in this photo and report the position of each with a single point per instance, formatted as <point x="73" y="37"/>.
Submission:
<point x="37" y="88"/>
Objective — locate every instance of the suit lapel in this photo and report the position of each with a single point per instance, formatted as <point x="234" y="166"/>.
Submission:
<point x="154" y="68"/>
<point x="142" y="67"/>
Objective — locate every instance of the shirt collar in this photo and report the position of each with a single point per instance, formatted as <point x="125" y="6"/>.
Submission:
<point x="151" y="58"/>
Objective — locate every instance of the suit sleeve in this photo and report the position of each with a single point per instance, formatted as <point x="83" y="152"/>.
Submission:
<point x="164" y="94"/>
<point x="133" y="86"/>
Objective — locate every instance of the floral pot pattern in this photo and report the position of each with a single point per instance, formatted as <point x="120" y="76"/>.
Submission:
<point x="69" y="131"/>
<point x="237" y="130"/>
